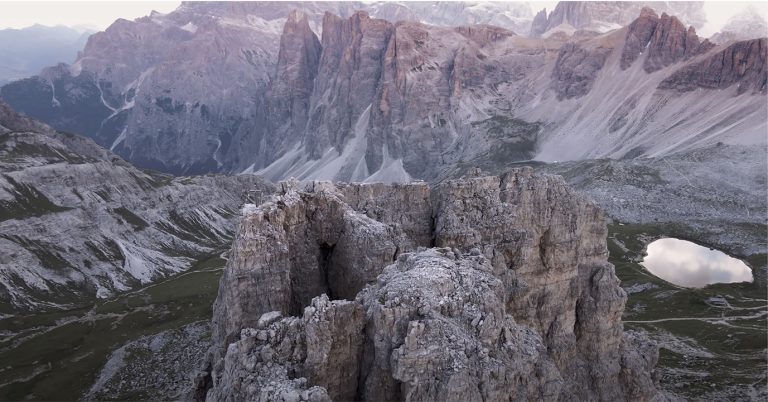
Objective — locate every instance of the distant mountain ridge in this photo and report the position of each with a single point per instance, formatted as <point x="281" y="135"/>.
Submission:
<point x="603" y="16"/>
<point x="748" y="24"/>
<point x="251" y="87"/>
<point x="24" y="52"/>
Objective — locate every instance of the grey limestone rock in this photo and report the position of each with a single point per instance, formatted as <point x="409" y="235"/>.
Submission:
<point x="486" y="288"/>
<point x="743" y="63"/>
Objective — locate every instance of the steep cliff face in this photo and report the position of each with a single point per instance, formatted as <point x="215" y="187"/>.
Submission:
<point x="290" y="92"/>
<point x="664" y="40"/>
<point x="519" y="284"/>
<point x="576" y="70"/>
<point x="743" y="63"/>
<point x="448" y="99"/>
<point x="539" y="24"/>
<point x="671" y="42"/>
<point x="388" y="99"/>
<point x="69" y="103"/>
<point x="369" y="100"/>
<point x="348" y="76"/>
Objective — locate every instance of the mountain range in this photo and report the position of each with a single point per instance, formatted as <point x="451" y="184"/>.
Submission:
<point x="543" y="153"/>
<point x="78" y="222"/>
<point x="24" y="52"/>
<point x="293" y="89"/>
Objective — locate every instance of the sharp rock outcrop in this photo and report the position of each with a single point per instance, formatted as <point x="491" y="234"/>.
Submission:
<point x="332" y="294"/>
<point x="743" y="63"/>
<point x="664" y="40"/>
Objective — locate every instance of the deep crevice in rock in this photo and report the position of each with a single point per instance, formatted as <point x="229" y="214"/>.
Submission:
<point x="311" y="280"/>
<point x="324" y="265"/>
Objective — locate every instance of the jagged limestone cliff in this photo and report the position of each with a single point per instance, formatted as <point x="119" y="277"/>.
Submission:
<point x="488" y="288"/>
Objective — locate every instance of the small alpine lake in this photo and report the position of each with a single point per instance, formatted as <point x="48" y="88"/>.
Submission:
<point x="690" y="265"/>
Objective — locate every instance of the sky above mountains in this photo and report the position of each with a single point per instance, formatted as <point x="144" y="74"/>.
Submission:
<point x="95" y="15"/>
<point x="99" y="15"/>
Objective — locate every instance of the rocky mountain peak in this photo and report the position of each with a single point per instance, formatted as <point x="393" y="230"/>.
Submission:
<point x="665" y="40"/>
<point x="294" y="17"/>
<point x="348" y="74"/>
<point x="539" y="24"/>
<point x="250" y="88"/>
<point x="290" y="91"/>
<point x="486" y="288"/>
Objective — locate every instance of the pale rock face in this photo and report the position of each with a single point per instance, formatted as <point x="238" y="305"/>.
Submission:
<point x="76" y="221"/>
<point x="350" y="65"/>
<point x="743" y="63"/>
<point x="447" y="99"/>
<point x="518" y="285"/>
<point x="665" y="39"/>
<point x="289" y="96"/>
<point x="576" y="70"/>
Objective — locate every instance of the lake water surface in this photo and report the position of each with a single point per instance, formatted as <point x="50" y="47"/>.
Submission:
<point x="689" y="265"/>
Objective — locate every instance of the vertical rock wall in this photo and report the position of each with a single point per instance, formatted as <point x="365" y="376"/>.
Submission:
<point x="517" y="302"/>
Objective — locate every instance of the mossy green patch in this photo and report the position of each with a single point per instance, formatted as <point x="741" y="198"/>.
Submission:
<point x="61" y="361"/>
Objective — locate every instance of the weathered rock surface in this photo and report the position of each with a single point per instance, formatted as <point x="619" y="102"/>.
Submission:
<point x="449" y="99"/>
<point x="289" y="96"/>
<point x="664" y="40"/>
<point x="639" y="34"/>
<point x="743" y="63"/>
<point x="155" y="367"/>
<point x="576" y="69"/>
<point x="539" y="24"/>
<point x="76" y="221"/>
<point x="519" y="285"/>
<point x="671" y="42"/>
